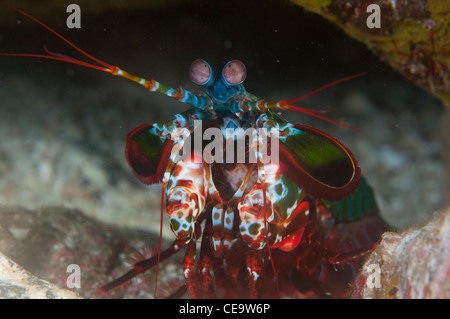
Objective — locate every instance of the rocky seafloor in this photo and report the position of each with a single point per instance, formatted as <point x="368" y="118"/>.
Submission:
<point x="67" y="194"/>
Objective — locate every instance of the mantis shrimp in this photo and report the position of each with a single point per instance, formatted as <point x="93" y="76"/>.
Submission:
<point x="296" y="223"/>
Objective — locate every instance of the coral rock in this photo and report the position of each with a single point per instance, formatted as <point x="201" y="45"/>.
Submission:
<point x="16" y="282"/>
<point x="412" y="264"/>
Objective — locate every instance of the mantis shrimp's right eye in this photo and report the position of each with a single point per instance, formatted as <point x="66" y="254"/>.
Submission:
<point x="201" y="73"/>
<point x="234" y="73"/>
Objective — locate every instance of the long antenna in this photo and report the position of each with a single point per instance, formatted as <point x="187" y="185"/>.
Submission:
<point x="109" y="66"/>
<point x="323" y="88"/>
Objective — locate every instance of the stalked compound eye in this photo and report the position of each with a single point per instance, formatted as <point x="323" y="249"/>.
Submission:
<point x="234" y="73"/>
<point x="201" y="73"/>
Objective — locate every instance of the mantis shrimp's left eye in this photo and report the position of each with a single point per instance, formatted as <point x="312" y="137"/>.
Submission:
<point x="201" y="73"/>
<point x="234" y="72"/>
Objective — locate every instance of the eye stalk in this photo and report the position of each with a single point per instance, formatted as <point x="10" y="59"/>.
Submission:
<point x="234" y="73"/>
<point x="201" y="73"/>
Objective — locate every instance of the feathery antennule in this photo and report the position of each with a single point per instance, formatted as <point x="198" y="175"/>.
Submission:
<point x="286" y="104"/>
<point x="58" y="58"/>
<point x="317" y="114"/>
<point x="108" y="66"/>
